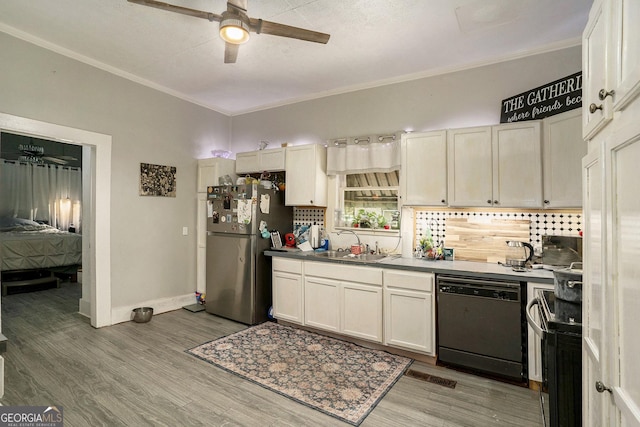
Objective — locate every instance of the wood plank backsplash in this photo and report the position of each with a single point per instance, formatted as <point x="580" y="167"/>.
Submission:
<point x="484" y="239"/>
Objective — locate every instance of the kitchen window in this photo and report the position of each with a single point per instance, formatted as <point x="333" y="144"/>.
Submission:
<point x="369" y="201"/>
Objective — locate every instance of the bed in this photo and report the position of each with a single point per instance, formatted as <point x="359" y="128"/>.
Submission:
<point x="30" y="252"/>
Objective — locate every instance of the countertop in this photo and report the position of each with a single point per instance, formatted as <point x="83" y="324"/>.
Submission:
<point x="457" y="268"/>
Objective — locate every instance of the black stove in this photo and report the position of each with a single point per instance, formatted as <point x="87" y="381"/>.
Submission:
<point x="559" y="315"/>
<point x="562" y="358"/>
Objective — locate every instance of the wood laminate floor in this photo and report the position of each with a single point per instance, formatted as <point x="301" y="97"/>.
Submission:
<point x="138" y="374"/>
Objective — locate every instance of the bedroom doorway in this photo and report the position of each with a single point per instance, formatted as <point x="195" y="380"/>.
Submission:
<point x="96" y="196"/>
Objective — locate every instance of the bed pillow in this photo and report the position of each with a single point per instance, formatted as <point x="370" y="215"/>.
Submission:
<point x="7" y="223"/>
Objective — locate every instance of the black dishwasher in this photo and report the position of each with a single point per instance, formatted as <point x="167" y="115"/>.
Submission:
<point x="480" y="326"/>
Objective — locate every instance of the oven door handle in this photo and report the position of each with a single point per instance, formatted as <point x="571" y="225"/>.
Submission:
<point x="536" y="328"/>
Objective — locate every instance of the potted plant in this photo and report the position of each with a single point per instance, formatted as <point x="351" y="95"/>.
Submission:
<point x="382" y="222"/>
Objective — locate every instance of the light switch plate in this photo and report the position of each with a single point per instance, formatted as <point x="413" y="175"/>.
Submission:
<point x="185" y="231"/>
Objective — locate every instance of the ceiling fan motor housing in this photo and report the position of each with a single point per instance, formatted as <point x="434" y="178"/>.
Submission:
<point x="234" y="28"/>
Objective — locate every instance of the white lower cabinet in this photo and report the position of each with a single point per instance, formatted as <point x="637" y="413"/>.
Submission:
<point x="362" y="311"/>
<point x="409" y="311"/>
<point x="534" y="344"/>
<point x="288" y="290"/>
<point x="344" y="299"/>
<point x="322" y="303"/>
<point x="391" y="307"/>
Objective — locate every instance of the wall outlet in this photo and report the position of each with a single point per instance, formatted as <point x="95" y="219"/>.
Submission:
<point x="185" y="231"/>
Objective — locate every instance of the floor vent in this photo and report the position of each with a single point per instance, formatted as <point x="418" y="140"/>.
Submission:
<point x="431" y="378"/>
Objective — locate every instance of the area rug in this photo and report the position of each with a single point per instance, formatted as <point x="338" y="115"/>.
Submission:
<point x="336" y="377"/>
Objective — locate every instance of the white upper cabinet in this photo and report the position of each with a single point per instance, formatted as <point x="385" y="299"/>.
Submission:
<point x="306" y="175"/>
<point x="625" y="52"/>
<point x="562" y="152"/>
<point x="517" y="165"/>
<point x="597" y="112"/>
<point x="423" y="176"/>
<point x="470" y="167"/>
<point x="209" y="170"/>
<point x="261" y="160"/>
<point x="611" y="61"/>
<point x="499" y="166"/>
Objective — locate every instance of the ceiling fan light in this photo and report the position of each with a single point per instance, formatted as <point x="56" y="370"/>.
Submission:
<point x="234" y="31"/>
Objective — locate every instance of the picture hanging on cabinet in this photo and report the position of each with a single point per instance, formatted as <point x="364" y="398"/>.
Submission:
<point x="157" y="180"/>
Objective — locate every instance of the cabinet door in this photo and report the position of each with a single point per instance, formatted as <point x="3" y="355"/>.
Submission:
<point x="625" y="79"/>
<point x="424" y="169"/>
<point x="362" y="311"/>
<point x="248" y="162"/>
<point x="517" y="165"/>
<point x="469" y="167"/>
<point x="563" y="150"/>
<point x="272" y="160"/>
<point x="596" y="113"/>
<point x="408" y="321"/>
<point x="209" y="170"/>
<point x="288" y="297"/>
<point x="594" y="404"/>
<point x="306" y="169"/>
<point x="201" y="243"/>
<point x="321" y="303"/>
<point x="622" y="282"/>
<point x="534" y="346"/>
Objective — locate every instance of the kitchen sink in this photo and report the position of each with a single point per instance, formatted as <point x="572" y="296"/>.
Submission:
<point x="346" y="256"/>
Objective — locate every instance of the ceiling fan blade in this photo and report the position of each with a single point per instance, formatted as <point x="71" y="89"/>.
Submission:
<point x="275" y="29"/>
<point x="230" y="53"/>
<point x="234" y="5"/>
<point x="55" y="160"/>
<point x="179" y="9"/>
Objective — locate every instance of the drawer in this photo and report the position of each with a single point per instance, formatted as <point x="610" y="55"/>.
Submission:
<point x="288" y="265"/>
<point x="347" y="273"/>
<point x="409" y="280"/>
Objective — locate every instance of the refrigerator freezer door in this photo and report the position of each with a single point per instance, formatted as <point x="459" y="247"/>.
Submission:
<point x="230" y="278"/>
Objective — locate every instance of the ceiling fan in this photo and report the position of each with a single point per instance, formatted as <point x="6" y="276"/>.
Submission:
<point x="31" y="153"/>
<point x="235" y="25"/>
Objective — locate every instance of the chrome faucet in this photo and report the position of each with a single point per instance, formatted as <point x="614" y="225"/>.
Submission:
<point x="354" y="233"/>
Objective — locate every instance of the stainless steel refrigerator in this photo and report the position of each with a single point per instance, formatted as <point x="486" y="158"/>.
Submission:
<point x="238" y="275"/>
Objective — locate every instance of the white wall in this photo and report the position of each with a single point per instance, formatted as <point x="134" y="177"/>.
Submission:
<point x="150" y="259"/>
<point x="465" y="98"/>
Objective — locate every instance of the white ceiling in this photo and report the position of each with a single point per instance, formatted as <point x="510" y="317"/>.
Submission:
<point x="373" y="42"/>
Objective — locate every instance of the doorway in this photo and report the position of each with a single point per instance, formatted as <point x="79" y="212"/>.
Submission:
<point x="96" y="214"/>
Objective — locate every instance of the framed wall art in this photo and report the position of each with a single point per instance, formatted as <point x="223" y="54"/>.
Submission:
<point x="157" y="180"/>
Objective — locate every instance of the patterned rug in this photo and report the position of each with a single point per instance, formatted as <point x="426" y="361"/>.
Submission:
<point x="336" y="377"/>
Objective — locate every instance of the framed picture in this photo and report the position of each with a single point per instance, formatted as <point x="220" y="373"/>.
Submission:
<point x="157" y="180"/>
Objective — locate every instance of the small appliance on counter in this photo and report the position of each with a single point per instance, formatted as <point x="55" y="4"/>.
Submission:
<point x="561" y="251"/>
<point x="516" y="255"/>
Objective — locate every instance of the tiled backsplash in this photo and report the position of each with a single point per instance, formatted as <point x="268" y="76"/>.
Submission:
<point x="542" y="222"/>
<point x="308" y="216"/>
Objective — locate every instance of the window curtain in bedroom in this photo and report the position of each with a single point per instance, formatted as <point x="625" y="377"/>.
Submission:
<point x="41" y="193"/>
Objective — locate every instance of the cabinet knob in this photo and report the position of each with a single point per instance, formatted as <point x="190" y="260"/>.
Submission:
<point x="601" y="388"/>
<point x="443" y="201"/>
<point x="593" y="108"/>
<point x="489" y="201"/>
<point x="546" y="202"/>
<point x="603" y="94"/>
<point x="495" y="202"/>
<point x="310" y="202"/>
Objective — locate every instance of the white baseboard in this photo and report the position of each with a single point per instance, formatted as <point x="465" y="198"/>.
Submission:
<point x="162" y="305"/>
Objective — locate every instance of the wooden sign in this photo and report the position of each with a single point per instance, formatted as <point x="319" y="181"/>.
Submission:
<point x="544" y="101"/>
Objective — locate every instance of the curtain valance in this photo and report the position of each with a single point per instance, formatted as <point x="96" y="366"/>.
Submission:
<point x="376" y="153"/>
